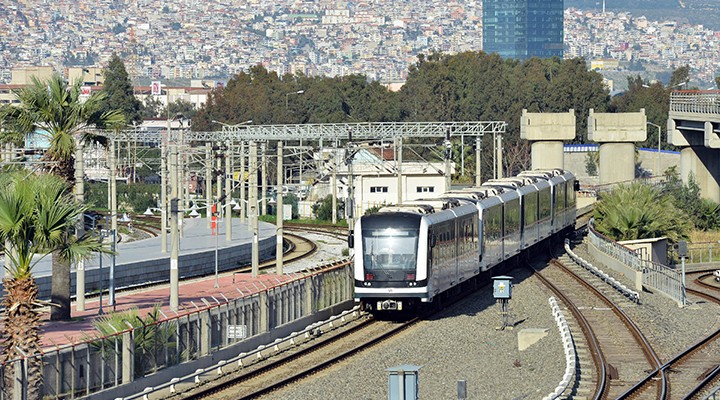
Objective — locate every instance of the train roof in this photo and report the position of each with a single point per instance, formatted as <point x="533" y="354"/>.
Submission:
<point x="423" y="206"/>
<point x="513" y="181"/>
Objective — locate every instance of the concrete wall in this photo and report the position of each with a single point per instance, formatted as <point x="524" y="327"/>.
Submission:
<point x="634" y="276"/>
<point x="158" y="270"/>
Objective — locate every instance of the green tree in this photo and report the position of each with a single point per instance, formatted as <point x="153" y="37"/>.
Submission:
<point x="54" y="109"/>
<point x="679" y="77"/>
<point x="152" y="338"/>
<point x="183" y="107"/>
<point x="119" y="91"/>
<point x="152" y="108"/>
<point x="323" y="208"/>
<point x="37" y="218"/>
<point x="654" y="98"/>
<point x="640" y="211"/>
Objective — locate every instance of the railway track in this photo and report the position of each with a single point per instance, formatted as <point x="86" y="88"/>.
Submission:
<point x="696" y="370"/>
<point x="691" y="372"/>
<point x="613" y="353"/>
<point x="263" y="377"/>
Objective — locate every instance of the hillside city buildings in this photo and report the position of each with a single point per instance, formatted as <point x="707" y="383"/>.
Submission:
<point x="215" y="39"/>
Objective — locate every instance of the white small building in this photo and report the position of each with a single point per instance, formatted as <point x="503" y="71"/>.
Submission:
<point x="375" y="178"/>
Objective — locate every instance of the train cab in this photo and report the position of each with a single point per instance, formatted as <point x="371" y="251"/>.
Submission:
<point x="387" y="257"/>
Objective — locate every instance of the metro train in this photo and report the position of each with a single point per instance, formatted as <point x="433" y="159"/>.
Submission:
<point x="408" y="254"/>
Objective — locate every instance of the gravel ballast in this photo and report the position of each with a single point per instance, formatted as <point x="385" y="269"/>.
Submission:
<point x="462" y="343"/>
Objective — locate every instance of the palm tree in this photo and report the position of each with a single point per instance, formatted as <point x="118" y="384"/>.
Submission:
<point x="37" y="217"/>
<point x="640" y="211"/>
<point x="56" y="110"/>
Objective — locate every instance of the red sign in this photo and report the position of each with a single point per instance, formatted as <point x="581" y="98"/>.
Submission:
<point x="85" y="90"/>
<point x="155" y="88"/>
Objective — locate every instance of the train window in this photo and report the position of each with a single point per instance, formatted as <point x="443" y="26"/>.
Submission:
<point x="389" y="250"/>
<point x="512" y="216"/>
<point x="530" y="207"/>
<point x="545" y="203"/>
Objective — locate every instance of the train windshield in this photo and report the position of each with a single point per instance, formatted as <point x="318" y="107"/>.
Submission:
<point x="390" y="250"/>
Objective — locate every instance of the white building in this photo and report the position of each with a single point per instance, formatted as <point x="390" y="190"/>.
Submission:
<point x="375" y="179"/>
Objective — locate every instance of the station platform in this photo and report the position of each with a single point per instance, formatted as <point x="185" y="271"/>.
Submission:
<point x="194" y="293"/>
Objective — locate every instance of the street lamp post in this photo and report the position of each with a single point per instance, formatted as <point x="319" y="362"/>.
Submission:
<point x="287" y="95"/>
<point x="657" y="173"/>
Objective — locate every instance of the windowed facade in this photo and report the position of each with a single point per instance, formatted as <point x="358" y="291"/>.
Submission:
<point x="524" y="28"/>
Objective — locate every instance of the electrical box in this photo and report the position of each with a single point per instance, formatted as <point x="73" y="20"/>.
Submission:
<point x="502" y="287"/>
<point x="403" y="382"/>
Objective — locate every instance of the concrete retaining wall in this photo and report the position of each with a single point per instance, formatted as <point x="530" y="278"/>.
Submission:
<point x="158" y="270"/>
<point x="634" y="276"/>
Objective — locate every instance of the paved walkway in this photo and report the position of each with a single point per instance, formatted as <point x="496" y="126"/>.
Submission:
<point x="193" y="294"/>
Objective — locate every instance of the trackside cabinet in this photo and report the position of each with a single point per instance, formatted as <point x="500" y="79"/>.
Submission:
<point x="403" y="382"/>
<point x="502" y="287"/>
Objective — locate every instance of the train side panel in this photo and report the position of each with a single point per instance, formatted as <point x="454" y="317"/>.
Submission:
<point x="451" y="257"/>
<point x="491" y="243"/>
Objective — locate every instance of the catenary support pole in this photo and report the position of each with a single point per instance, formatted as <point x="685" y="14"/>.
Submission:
<point x="279" y="211"/>
<point x="175" y="237"/>
<point x="228" y="191"/>
<point x="253" y="204"/>
<point x="80" y="197"/>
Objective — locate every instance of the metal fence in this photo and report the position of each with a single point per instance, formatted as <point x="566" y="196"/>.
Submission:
<point x="87" y="367"/>
<point x="695" y="101"/>
<point x="697" y="253"/>
<point x="660" y="277"/>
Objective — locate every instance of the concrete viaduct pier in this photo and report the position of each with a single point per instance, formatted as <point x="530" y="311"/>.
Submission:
<point x="694" y="125"/>
<point x="616" y="134"/>
<point x="547" y="131"/>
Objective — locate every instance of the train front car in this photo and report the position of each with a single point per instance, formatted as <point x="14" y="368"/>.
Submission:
<point x="389" y="274"/>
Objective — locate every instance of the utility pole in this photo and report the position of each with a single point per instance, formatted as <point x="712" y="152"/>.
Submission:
<point x="333" y="183"/>
<point x="448" y="158"/>
<point x="164" y="189"/>
<point x="80" y="197"/>
<point x="243" y="206"/>
<point x="228" y="191"/>
<point x="279" y="211"/>
<point x="263" y="176"/>
<point x="175" y="248"/>
<point x="253" y="203"/>
<point x="398" y="149"/>
<point x="478" y="161"/>
<point x="208" y="184"/>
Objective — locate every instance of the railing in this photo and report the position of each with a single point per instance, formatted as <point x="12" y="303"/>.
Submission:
<point x="703" y="252"/>
<point x="132" y="353"/>
<point x="695" y="101"/>
<point x="655" y="275"/>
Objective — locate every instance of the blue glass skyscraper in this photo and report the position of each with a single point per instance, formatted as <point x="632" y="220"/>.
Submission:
<point x="523" y="28"/>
